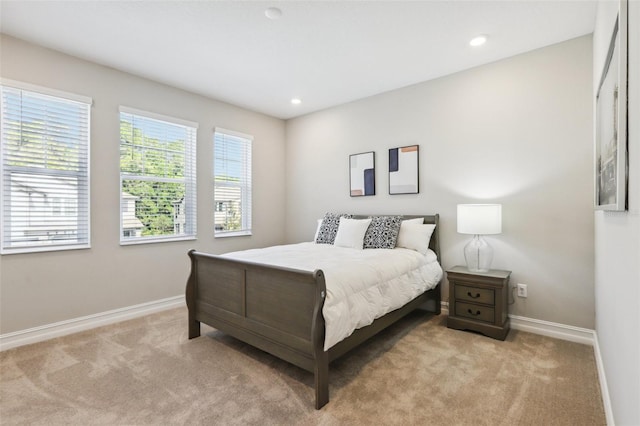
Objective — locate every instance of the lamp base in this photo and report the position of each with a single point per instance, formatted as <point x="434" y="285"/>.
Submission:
<point x="478" y="255"/>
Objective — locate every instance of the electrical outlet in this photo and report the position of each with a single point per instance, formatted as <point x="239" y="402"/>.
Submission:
<point x="522" y="290"/>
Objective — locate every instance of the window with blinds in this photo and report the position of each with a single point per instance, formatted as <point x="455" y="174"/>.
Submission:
<point x="232" y="183"/>
<point x="44" y="168"/>
<point x="157" y="177"/>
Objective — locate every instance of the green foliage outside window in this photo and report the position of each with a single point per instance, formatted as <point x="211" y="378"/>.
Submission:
<point x="149" y="162"/>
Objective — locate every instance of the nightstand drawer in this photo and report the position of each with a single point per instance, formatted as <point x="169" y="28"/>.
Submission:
<point x="476" y="312"/>
<point x="476" y="295"/>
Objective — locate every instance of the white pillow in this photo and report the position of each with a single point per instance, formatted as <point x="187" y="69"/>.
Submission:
<point x="351" y="233"/>
<point x="416" y="237"/>
<point x="403" y="234"/>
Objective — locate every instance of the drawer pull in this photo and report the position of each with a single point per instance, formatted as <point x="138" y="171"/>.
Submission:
<point x="472" y="296"/>
<point x="471" y="312"/>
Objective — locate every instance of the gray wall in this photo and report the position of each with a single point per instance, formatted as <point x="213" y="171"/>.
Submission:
<point x="617" y="242"/>
<point x="516" y="132"/>
<point x="44" y="288"/>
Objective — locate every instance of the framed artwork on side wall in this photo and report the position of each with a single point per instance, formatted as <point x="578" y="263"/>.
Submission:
<point x="403" y="170"/>
<point x="611" y="157"/>
<point x="362" y="174"/>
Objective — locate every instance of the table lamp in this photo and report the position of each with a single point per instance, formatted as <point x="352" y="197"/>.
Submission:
<point x="478" y="220"/>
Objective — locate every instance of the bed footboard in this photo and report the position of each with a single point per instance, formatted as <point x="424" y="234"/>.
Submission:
<point x="278" y="310"/>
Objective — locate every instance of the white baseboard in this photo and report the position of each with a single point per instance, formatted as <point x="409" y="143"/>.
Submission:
<point x="604" y="388"/>
<point x="62" y="328"/>
<point x="553" y="329"/>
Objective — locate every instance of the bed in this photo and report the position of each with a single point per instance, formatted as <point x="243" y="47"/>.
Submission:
<point x="279" y="309"/>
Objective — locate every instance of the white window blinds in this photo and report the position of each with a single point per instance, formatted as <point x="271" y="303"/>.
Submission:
<point x="157" y="177"/>
<point x="232" y="183"/>
<point x="45" y="169"/>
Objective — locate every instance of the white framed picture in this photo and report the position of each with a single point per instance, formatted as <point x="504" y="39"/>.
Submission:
<point x="611" y="156"/>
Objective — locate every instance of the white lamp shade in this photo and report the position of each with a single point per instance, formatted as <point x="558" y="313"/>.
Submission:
<point x="479" y="219"/>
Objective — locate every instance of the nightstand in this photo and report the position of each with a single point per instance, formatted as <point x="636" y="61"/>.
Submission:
<point x="478" y="301"/>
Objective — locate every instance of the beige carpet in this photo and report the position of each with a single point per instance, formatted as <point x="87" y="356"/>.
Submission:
<point x="418" y="372"/>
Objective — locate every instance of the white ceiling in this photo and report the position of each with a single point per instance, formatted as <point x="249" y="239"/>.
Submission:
<point x="323" y="52"/>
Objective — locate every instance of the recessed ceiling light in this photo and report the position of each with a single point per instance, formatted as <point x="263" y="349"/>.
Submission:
<point x="296" y="101"/>
<point x="478" y="41"/>
<point x="273" y="13"/>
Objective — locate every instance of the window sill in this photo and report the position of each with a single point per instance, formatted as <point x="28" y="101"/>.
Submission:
<point x="27" y="250"/>
<point x="232" y="234"/>
<point x="153" y="240"/>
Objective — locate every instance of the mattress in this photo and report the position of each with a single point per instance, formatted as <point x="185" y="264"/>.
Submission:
<point x="362" y="285"/>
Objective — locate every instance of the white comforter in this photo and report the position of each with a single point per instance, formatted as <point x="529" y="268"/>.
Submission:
<point x="362" y="285"/>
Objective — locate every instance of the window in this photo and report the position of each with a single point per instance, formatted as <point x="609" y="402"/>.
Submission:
<point x="232" y="183"/>
<point x="157" y="177"/>
<point x="45" y="169"/>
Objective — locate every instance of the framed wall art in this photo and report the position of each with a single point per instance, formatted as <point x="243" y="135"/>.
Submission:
<point x="403" y="170"/>
<point x="362" y="174"/>
<point x="611" y="160"/>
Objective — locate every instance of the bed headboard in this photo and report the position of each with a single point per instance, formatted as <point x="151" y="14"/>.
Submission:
<point x="434" y="244"/>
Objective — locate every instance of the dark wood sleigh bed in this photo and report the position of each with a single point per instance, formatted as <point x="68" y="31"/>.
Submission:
<point x="279" y="310"/>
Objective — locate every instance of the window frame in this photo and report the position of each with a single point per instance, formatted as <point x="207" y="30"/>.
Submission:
<point x="189" y="182"/>
<point x="84" y="194"/>
<point x="246" y="189"/>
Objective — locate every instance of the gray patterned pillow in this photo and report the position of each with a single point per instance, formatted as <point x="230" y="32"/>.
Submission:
<point x="383" y="232"/>
<point x="329" y="227"/>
